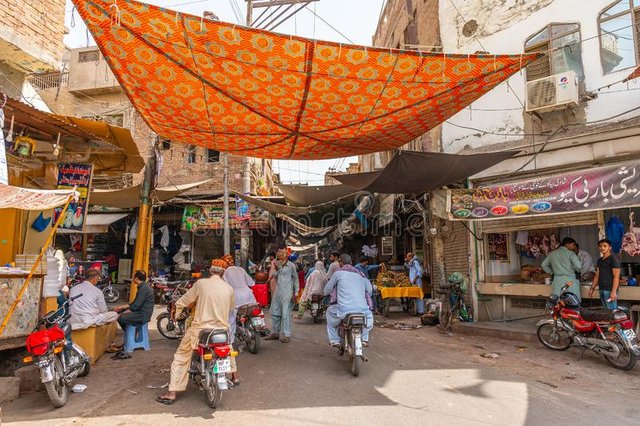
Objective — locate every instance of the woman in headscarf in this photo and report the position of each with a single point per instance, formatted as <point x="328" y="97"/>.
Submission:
<point x="315" y="285"/>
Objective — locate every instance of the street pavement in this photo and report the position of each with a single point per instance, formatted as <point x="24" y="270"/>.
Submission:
<point x="413" y="377"/>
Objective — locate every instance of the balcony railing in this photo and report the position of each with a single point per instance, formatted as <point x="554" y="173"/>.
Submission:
<point x="52" y="80"/>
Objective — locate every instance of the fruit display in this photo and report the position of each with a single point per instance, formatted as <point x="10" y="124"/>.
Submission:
<point x="388" y="278"/>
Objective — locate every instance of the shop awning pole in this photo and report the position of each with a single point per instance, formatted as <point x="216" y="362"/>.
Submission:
<point x="46" y="245"/>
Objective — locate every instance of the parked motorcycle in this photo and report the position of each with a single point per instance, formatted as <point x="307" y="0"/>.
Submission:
<point x="210" y="363"/>
<point x="168" y="325"/>
<point x="59" y="359"/>
<point x="250" y="326"/>
<point x="350" y="332"/>
<point x="318" y="307"/>
<point x="105" y="284"/>
<point x="608" y="333"/>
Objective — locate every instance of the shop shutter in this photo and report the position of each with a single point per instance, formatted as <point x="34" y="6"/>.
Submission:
<point x="456" y="253"/>
<point x="539" y="222"/>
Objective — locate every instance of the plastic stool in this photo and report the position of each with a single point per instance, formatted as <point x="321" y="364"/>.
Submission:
<point x="136" y="337"/>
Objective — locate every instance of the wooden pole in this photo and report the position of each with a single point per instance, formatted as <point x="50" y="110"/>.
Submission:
<point x="61" y="217"/>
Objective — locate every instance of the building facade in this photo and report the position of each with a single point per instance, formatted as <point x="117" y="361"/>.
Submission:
<point x="569" y="111"/>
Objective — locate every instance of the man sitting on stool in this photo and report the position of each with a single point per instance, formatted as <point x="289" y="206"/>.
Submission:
<point x="141" y="310"/>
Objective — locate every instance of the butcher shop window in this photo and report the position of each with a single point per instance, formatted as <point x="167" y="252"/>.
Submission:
<point x="563" y="46"/>
<point x="619" y="25"/>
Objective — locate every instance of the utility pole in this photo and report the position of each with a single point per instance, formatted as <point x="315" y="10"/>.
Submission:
<point x="225" y="210"/>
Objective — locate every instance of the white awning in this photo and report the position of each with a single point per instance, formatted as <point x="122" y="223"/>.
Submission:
<point x="130" y="197"/>
<point x="33" y="199"/>
<point x="97" y="223"/>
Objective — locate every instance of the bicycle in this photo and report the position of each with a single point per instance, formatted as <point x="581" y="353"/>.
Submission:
<point x="452" y="304"/>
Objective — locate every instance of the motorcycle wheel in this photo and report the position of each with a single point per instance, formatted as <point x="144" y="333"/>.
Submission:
<point x="316" y="317"/>
<point x="57" y="388"/>
<point x="111" y="294"/>
<point x="353" y="358"/>
<point x="554" y="338"/>
<point x="162" y="322"/>
<point x="253" y="344"/>
<point x="626" y="360"/>
<point x="213" y="392"/>
<point x="385" y="307"/>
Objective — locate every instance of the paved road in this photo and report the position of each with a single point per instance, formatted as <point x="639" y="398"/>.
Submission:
<point x="413" y="377"/>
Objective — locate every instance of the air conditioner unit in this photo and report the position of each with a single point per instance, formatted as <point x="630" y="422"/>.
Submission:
<point x="554" y="92"/>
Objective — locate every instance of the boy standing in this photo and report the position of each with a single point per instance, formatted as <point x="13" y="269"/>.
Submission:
<point x="607" y="276"/>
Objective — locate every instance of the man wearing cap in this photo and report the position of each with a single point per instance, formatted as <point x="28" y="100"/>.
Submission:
<point x="91" y="308"/>
<point x="286" y="291"/>
<point x="214" y="304"/>
<point x="348" y="289"/>
<point x="241" y="283"/>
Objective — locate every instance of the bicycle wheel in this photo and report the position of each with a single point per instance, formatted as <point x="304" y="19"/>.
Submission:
<point x="446" y="315"/>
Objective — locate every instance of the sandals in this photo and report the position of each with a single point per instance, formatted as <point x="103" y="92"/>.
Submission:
<point x="273" y="337"/>
<point x="115" y="349"/>
<point x="285" y="339"/>
<point x="335" y="345"/>
<point x="165" y="401"/>
<point x="121" y="355"/>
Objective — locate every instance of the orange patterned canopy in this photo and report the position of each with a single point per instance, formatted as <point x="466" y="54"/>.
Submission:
<point x="256" y="93"/>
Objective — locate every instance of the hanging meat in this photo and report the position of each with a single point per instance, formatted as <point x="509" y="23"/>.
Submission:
<point x="631" y="239"/>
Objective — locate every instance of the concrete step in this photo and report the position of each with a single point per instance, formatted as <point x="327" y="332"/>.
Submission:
<point x="507" y="331"/>
<point x="9" y="389"/>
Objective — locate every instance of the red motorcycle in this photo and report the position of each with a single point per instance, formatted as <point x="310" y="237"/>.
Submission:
<point x="210" y="363"/>
<point x="168" y="325"/>
<point x="607" y="333"/>
<point x="59" y="359"/>
<point x="250" y="325"/>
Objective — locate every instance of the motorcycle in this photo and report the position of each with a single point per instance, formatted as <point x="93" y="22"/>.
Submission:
<point x="350" y="332"/>
<point x="105" y="284"/>
<point x="250" y="326"/>
<point x="168" y="325"/>
<point x="210" y="363"/>
<point x="318" y="307"/>
<point x="607" y="333"/>
<point x="59" y="359"/>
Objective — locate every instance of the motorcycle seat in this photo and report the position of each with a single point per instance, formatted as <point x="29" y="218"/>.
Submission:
<point x="603" y="315"/>
<point x="215" y="337"/>
<point x="354" y="319"/>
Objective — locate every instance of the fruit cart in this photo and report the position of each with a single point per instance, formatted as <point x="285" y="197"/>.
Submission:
<point x="393" y="285"/>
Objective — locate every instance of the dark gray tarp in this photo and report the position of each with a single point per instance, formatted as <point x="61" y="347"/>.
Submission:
<point x="275" y="208"/>
<point x="414" y="172"/>
<point x="310" y="195"/>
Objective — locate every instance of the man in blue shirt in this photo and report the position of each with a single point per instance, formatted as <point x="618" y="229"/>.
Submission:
<point x="365" y="268"/>
<point x="412" y="263"/>
<point x="350" y="289"/>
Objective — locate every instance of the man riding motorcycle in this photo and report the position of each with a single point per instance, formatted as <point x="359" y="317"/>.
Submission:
<point x="214" y="301"/>
<point x="348" y="289"/>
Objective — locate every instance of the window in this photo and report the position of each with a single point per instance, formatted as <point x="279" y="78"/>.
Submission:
<point x="165" y="143"/>
<point x="115" y="119"/>
<point x="562" y="41"/>
<point x="191" y="154"/>
<point x="213" y="156"/>
<point x="89" y="56"/>
<point x="620" y="35"/>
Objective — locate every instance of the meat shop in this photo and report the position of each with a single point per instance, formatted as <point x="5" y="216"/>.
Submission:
<point x="515" y="226"/>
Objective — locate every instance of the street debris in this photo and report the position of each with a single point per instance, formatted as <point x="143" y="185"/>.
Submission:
<point x="547" y="383"/>
<point x="490" y="355"/>
<point x="166" y="385"/>
<point x="79" y="388"/>
<point x="396" y="325"/>
<point x="133" y="392"/>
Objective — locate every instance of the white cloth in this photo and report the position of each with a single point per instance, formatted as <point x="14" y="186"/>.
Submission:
<point x="133" y="232"/>
<point x="241" y="282"/>
<point x="63" y="268"/>
<point x="89" y="309"/>
<point x="587" y="262"/>
<point x="315" y="283"/>
<point x="164" y="240"/>
<point x="333" y="268"/>
<point x="522" y="238"/>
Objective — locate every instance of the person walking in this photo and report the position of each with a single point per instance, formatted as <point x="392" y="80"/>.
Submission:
<point x="412" y="263"/>
<point x="607" y="276"/>
<point x="287" y="289"/>
<point x="335" y="264"/>
<point x="563" y="263"/>
<point x="315" y="285"/>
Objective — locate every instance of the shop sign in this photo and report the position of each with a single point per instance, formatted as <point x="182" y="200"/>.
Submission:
<point x="78" y="176"/>
<point x="587" y="190"/>
<point x="212" y="217"/>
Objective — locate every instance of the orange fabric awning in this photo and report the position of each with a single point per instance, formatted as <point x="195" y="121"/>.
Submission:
<point x="256" y="93"/>
<point x="635" y="74"/>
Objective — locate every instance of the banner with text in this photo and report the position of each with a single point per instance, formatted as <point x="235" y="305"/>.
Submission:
<point x="594" y="189"/>
<point x="78" y="176"/>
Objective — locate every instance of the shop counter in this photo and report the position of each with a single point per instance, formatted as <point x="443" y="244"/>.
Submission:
<point x="398" y="292"/>
<point x="27" y="313"/>
<point x="625" y="293"/>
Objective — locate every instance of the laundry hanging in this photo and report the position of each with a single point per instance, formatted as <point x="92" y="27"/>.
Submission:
<point x="256" y="93"/>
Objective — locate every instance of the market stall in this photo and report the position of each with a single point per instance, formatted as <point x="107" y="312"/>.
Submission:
<point x="517" y="225"/>
<point x="392" y="284"/>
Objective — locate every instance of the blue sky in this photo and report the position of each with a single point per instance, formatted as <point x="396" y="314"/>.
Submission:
<point x="353" y="21"/>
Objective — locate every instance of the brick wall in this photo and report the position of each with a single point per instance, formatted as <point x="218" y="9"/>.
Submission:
<point x="36" y="28"/>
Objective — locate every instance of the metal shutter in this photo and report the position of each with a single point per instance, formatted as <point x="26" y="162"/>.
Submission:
<point x="456" y="254"/>
<point x="539" y="222"/>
